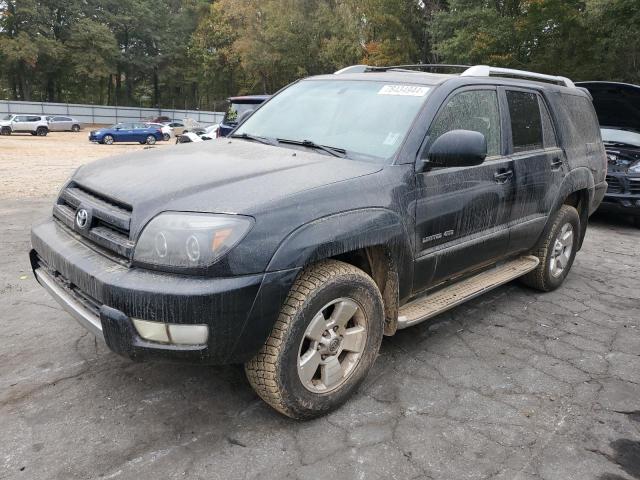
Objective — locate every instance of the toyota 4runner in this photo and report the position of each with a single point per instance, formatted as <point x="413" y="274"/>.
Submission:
<point x="346" y="207"/>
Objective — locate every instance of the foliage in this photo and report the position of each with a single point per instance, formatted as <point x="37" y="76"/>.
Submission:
<point x="194" y="53"/>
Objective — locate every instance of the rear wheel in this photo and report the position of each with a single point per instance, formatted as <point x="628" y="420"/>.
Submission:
<point x="323" y="344"/>
<point x="107" y="140"/>
<point x="151" y="140"/>
<point x="75" y="128"/>
<point x="556" y="251"/>
<point x="166" y="137"/>
<point x="42" y="131"/>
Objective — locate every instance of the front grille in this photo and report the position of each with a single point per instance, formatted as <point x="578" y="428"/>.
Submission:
<point x="614" y="184"/>
<point x="634" y="186"/>
<point x="108" y="221"/>
<point x="81" y="297"/>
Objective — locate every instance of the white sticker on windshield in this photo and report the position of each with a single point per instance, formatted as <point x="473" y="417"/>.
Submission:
<point x="404" y="90"/>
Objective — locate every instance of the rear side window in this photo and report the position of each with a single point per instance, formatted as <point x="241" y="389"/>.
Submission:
<point x="475" y="110"/>
<point x="526" y="124"/>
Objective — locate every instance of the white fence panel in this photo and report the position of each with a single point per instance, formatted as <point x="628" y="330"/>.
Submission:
<point x="100" y="114"/>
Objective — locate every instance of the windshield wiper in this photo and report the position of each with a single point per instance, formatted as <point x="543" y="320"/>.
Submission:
<point x="336" y="152"/>
<point x="255" y="138"/>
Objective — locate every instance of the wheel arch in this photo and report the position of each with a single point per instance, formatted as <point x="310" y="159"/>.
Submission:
<point x="373" y="239"/>
<point x="577" y="190"/>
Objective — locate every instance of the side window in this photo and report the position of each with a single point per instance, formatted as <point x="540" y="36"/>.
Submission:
<point x="548" y="133"/>
<point x="20" y="118"/>
<point x="526" y="125"/>
<point x="475" y="110"/>
<point x="33" y="119"/>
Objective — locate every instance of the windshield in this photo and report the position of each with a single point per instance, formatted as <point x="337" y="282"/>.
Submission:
<point x="613" y="135"/>
<point x="364" y="118"/>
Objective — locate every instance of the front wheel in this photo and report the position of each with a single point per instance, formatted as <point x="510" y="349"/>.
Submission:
<point x="75" y="128"/>
<point x="42" y="131"/>
<point x="556" y="250"/>
<point x="323" y="344"/>
<point x="5" y="131"/>
<point x="108" y="140"/>
<point x="151" y="140"/>
<point x="166" y="137"/>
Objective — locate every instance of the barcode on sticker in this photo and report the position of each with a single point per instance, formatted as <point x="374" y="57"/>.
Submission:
<point x="404" y="90"/>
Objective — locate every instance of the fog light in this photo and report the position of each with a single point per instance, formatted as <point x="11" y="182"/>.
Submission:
<point x="153" y="331"/>
<point x="188" y="334"/>
<point x="173" y="333"/>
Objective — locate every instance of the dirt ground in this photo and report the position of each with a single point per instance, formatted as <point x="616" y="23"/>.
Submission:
<point x="32" y="167"/>
<point x="514" y="385"/>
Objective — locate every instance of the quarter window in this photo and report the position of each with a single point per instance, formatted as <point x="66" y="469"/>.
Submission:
<point x="475" y="110"/>
<point x="526" y="125"/>
<point x="548" y="134"/>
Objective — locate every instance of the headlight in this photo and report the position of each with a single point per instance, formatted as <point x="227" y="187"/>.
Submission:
<point x="635" y="168"/>
<point x="189" y="240"/>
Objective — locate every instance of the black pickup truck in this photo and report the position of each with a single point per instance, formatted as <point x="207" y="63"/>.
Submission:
<point x="346" y="207"/>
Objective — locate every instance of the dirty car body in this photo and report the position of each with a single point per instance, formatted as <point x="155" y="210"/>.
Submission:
<point x="124" y="245"/>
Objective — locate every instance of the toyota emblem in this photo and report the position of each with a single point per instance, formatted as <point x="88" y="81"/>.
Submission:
<point x="82" y="217"/>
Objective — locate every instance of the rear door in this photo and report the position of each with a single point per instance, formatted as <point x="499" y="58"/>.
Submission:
<point x="539" y="165"/>
<point x="462" y="212"/>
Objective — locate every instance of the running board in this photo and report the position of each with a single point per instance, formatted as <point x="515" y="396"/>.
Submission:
<point x="429" y="306"/>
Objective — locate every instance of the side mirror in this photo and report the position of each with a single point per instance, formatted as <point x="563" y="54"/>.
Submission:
<point x="457" y="148"/>
<point x="244" y="115"/>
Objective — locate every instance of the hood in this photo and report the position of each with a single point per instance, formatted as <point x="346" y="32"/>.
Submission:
<point x="220" y="176"/>
<point x="617" y="104"/>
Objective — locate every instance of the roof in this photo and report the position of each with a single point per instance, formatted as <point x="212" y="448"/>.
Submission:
<point x="422" y="78"/>
<point x="249" y="98"/>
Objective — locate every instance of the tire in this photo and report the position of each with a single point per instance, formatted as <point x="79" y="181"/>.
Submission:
<point x="338" y="366"/>
<point x="151" y="140"/>
<point x="636" y="221"/>
<point x="166" y="137"/>
<point x="75" y="128"/>
<point x="5" y="131"/>
<point x="107" y="139"/>
<point x="556" y="251"/>
<point x="42" y="131"/>
<point x="33" y="133"/>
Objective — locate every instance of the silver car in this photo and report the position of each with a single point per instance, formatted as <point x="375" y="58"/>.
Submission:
<point x="63" y="124"/>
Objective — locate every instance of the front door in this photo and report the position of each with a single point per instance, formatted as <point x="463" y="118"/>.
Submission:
<point x="539" y="166"/>
<point x="462" y="212"/>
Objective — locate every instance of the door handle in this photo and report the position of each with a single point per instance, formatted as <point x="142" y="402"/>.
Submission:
<point x="556" y="163"/>
<point x="503" y="176"/>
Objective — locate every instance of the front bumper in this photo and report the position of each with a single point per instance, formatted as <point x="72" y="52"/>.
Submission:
<point x="104" y="296"/>
<point x="623" y="195"/>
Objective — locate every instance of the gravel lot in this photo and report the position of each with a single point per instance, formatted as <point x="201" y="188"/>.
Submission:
<point x="515" y="385"/>
<point x="36" y="166"/>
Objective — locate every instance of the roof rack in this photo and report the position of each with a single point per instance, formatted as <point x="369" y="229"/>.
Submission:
<point x="411" y="68"/>
<point x="487" y="71"/>
<point x="475" y="71"/>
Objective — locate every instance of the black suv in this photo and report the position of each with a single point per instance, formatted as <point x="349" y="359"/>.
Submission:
<point x="346" y="207"/>
<point x="618" y="108"/>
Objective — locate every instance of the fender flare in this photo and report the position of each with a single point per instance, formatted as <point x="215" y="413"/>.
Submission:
<point x="577" y="179"/>
<point x="346" y="232"/>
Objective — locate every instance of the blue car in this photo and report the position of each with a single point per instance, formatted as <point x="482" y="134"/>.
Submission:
<point x="127" y="132"/>
<point x="237" y="107"/>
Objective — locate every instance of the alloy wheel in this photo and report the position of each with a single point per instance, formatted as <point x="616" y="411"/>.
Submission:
<point x="332" y="345"/>
<point x="562" y="248"/>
